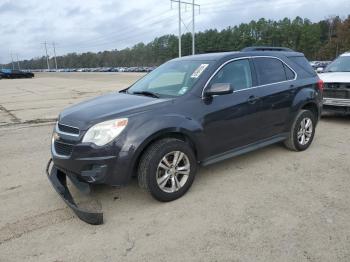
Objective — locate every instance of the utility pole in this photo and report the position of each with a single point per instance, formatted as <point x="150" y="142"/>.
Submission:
<point x="54" y="51"/>
<point x="13" y="66"/>
<point x="193" y="45"/>
<point x="19" y="67"/>
<point x="179" y="29"/>
<point x="180" y="21"/>
<point x="47" y="57"/>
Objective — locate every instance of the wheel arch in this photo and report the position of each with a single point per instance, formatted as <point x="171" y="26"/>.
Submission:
<point x="306" y="98"/>
<point x="177" y="133"/>
<point x="311" y="106"/>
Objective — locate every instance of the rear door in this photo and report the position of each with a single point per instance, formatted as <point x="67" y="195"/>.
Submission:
<point x="276" y="88"/>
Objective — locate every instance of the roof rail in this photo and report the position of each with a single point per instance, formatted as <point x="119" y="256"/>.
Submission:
<point x="266" y="48"/>
<point x="215" y="51"/>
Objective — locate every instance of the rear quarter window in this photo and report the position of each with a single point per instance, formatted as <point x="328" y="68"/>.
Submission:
<point x="302" y="62"/>
<point x="289" y="73"/>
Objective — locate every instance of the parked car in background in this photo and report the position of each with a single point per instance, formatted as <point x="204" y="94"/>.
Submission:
<point x="26" y="74"/>
<point x="10" y="74"/>
<point x="192" y="110"/>
<point x="6" y="73"/>
<point x="319" y="66"/>
<point x="100" y="69"/>
<point x="336" y="78"/>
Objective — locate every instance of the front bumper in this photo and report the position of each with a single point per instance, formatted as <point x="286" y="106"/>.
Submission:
<point x="89" y="163"/>
<point x="58" y="180"/>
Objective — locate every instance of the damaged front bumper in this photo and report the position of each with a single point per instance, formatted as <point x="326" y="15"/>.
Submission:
<point x="58" y="180"/>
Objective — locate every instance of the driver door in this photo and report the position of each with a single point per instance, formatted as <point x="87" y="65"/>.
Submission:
<point x="232" y="120"/>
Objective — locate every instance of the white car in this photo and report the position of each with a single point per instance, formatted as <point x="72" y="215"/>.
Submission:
<point x="336" y="78"/>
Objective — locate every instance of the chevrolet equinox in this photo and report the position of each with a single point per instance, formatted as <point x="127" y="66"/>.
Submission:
<point x="190" y="111"/>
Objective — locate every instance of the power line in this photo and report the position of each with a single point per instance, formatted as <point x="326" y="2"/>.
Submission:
<point x="126" y="31"/>
<point x="47" y="57"/>
<point x="193" y="44"/>
<point x="179" y="29"/>
<point x="237" y="6"/>
<point x="128" y="36"/>
<point x="19" y="67"/>
<point x="13" y="66"/>
<point x="54" y="51"/>
<point x="180" y="21"/>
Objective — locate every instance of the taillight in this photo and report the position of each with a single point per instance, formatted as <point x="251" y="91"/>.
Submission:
<point x="320" y="85"/>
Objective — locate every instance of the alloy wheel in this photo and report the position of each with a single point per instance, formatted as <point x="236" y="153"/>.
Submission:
<point x="305" y="131"/>
<point x="173" y="171"/>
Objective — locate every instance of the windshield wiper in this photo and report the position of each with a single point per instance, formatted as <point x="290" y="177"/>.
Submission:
<point x="146" y="93"/>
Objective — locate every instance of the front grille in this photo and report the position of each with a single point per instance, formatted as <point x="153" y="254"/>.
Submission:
<point x="63" y="148"/>
<point x="337" y="90"/>
<point x="332" y="85"/>
<point x="336" y="94"/>
<point x="337" y="85"/>
<point x="68" y="129"/>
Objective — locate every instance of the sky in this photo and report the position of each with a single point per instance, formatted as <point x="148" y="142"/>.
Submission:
<point x="98" y="25"/>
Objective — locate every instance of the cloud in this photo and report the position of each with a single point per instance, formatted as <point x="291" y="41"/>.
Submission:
<point x="95" y="25"/>
<point x="11" y="7"/>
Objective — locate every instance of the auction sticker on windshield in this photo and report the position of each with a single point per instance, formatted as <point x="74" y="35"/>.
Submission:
<point x="199" y="70"/>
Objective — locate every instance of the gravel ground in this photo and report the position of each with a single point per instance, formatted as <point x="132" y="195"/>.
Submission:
<point x="268" y="205"/>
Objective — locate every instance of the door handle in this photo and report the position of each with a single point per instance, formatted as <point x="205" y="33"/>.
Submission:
<point x="252" y="99"/>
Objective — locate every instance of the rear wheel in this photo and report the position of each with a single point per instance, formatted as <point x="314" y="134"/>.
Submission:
<point x="302" y="131"/>
<point x="167" y="169"/>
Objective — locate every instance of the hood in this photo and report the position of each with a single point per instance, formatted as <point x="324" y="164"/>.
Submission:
<point x="335" y="77"/>
<point x="106" y="107"/>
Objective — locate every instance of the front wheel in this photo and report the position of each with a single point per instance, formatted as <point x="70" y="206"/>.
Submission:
<point x="167" y="169"/>
<point x="302" y="131"/>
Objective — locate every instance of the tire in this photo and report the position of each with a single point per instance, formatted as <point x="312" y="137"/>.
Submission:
<point x="171" y="183"/>
<point x="301" y="129"/>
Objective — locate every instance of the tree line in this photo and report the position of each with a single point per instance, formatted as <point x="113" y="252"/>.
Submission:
<point x="323" y="40"/>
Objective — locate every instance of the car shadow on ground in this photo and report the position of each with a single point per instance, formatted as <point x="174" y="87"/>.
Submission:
<point x="108" y="197"/>
<point x="206" y="176"/>
<point x="335" y="117"/>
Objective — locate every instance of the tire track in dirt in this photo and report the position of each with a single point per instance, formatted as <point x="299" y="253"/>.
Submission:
<point x="13" y="117"/>
<point x="15" y="230"/>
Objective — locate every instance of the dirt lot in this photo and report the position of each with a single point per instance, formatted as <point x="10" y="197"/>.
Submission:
<point x="269" y="205"/>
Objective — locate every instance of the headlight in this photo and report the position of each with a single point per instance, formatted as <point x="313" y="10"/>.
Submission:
<point x="104" y="132"/>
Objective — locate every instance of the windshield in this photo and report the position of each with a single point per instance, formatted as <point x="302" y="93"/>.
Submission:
<point x="341" y="64"/>
<point x="171" y="79"/>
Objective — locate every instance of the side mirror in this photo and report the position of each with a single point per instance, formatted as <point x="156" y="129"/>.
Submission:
<point x="319" y="70"/>
<point x="219" y="89"/>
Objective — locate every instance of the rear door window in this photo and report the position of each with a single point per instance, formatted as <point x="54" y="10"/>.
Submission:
<point x="269" y="70"/>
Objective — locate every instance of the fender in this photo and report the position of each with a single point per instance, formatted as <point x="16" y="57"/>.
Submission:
<point x="158" y="126"/>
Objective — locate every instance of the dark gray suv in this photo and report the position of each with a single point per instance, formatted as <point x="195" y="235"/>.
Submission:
<point x="190" y="111"/>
